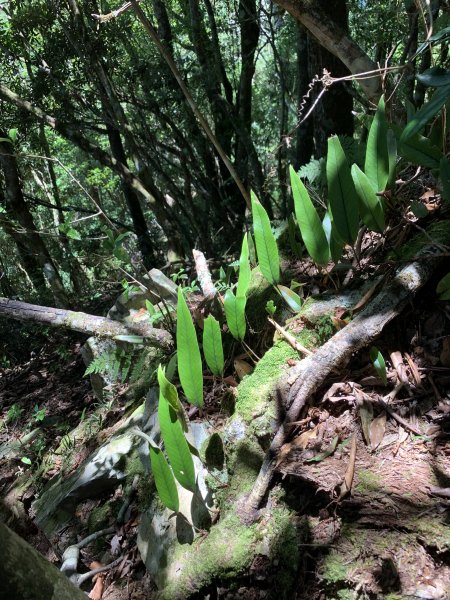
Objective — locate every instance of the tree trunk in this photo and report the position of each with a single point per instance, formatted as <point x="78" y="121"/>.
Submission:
<point x="17" y="209"/>
<point x="335" y="39"/>
<point x="26" y="574"/>
<point x="82" y="322"/>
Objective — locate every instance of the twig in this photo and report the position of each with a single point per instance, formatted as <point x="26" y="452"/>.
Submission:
<point x="398" y="418"/>
<point x="290" y="339"/>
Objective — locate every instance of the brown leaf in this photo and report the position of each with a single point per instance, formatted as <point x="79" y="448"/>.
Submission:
<point x="97" y="591"/>
<point x="242" y="368"/>
<point x="376" y="430"/>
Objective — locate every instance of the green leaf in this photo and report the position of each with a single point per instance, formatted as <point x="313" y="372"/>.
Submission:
<point x="341" y="192"/>
<point x="168" y="390"/>
<point x="376" y="165"/>
<point x="326" y="453"/>
<point x="418" y="150"/>
<point x="235" y="314"/>
<point x="175" y="443"/>
<point x="444" y="174"/>
<point x="309" y="222"/>
<point x="334" y="241"/>
<point x="12" y="134"/>
<point x="189" y="359"/>
<point x="212" y="345"/>
<point x="244" y="269"/>
<point x="270" y="307"/>
<point x="266" y="246"/>
<point x="73" y="234"/>
<point x="292" y="299"/>
<point x="426" y="112"/>
<point x="434" y="77"/>
<point x="392" y="152"/>
<point x="25" y="460"/>
<point x="378" y="362"/>
<point x="131" y="339"/>
<point x="150" y="308"/>
<point x="443" y="288"/>
<point x="370" y="206"/>
<point x="418" y="209"/>
<point x="164" y="480"/>
<point x="439" y="36"/>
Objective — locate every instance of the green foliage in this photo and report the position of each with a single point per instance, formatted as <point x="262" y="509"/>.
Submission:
<point x="378" y="362"/>
<point x="115" y="363"/>
<point x="175" y="443"/>
<point x="212" y="345"/>
<point x="14" y="413"/>
<point x="443" y="288"/>
<point x="370" y="205"/>
<point x="426" y="113"/>
<point x="309" y="222"/>
<point x="235" y="314"/>
<point x="244" y="269"/>
<point x="266" y="246"/>
<point x="271" y="308"/>
<point x="376" y="165"/>
<point x="189" y="360"/>
<point x="291" y="298"/>
<point x="164" y="479"/>
<point x="341" y="192"/>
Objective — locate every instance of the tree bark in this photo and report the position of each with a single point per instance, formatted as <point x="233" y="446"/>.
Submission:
<point x="82" y="322"/>
<point x="332" y="37"/>
<point x="26" y="574"/>
<point x="17" y="209"/>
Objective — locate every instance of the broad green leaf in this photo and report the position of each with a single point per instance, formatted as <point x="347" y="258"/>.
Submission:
<point x="370" y="206"/>
<point x="270" y="307"/>
<point x="292" y="299"/>
<point x="235" y="314"/>
<point x="439" y="36"/>
<point x="244" y="269"/>
<point x="392" y="152"/>
<point x="25" y="460"/>
<point x="175" y="443"/>
<point x="435" y="77"/>
<point x="131" y="339"/>
<point x="12" y="133"/>
<point x="426" y="112"/>
<point x="418" y="150"/>
<point x="164" y="480"/>
<point x="266" y="246"/>
<point x="376" y="165"/>
<point x="443" y="288"/>
<point x="212" y="345"/>
<point x="73" y="234"/>
<point x="378" y="362"/>
<point x="189" y="360"/>
<point x="309" y="222"/>
<point x="341" y="192"/>
<point x="168" y="390"/>
<point x="335" y="243"/>
<point x="444" y="174"/>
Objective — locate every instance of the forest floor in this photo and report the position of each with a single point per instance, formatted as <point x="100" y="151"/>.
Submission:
<point x="387" y="535"/>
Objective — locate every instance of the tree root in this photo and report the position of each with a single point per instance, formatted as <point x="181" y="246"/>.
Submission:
<point x="309" y="374"/>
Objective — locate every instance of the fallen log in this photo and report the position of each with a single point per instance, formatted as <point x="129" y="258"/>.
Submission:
<point x="82" y="322"/>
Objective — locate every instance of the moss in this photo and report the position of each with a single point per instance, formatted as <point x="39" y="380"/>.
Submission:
<point x="255" y="389"/>
<point x="334" y="569"/>
<point x="99" y="517"/>
<point x="368" y="482"/>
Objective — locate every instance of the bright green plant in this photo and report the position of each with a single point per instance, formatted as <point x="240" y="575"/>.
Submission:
<point x="212" y="346"/>
<point x="376" y="166"/>
<point x="14" y="413"/>
<point x="189" y="360"/>
<point x="266" y="245"/>
<point x="378" y="362"/>
<point x="175" y="443"/>
<point x="309" y="222"/>
<point x="235" y="314"/>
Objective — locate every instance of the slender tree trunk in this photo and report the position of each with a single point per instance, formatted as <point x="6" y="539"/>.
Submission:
<point x="17" y="209"/>
<point x="304" y="133"/>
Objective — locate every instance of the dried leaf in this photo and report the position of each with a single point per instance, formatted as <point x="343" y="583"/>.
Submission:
<point x="366" y="416"/>
<point x="242" y="368"/>
<point x="377" y="430"/>
<point x="350" y="472"/>
<point x="97" y="591"/>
